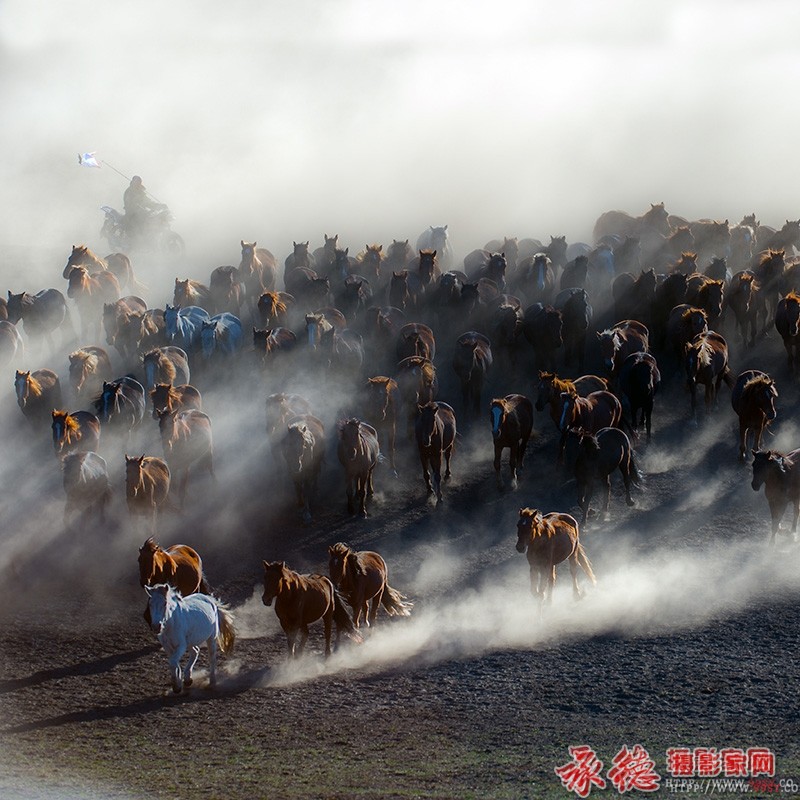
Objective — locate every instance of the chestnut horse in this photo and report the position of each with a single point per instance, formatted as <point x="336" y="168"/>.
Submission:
<point x="622" y="339"/>
<point x="363" y="578"/>
<point x="472" y="361"/>
<point x="511" y="418"/>
<point x="168" y="364"/>
<point x="178" y="565"/>
<point x="118" y="264"/>
<point x="77" y="431"/>
<point x="147" y="481"/>
<point x="753" y="400"/>
<point x="436" y="435"/>
<point x="303" y="599"/>
<point x="358" y="452"/>
<point x="639" y="381"/>
<point x="38" y="393"/>
<point x="187" y="442"/>
<point x="787" y="323"/>
<point x="548" y="540"/>
<point x="588" y="414"/>
<point x="169" y="398"/>
<point x="303" y="448"/>
<point x="89" y="368"/>
<point x="191" y="293"/>
<point x="780" y="476"/>
<point x="91" y="293"/>
<point x="550" y="387"/>
<point x="707" y="363"/>
<point x="382" y="404"/>
<point x="114" y="314"/>
<point x="280" y="408"/>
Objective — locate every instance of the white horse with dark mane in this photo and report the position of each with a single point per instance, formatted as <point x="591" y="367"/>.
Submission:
<point x="437" y="239"/>
<point x="184" y="623"/>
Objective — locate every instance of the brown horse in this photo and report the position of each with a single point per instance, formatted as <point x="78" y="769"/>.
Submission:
<point x="588" y="414"/>
<point x="139" y="332"/>
<point x="91" y="293"/>
<point x="358" y="453"/>
<point x="168" y="398"/>
<point x="118" y="264"/>
<point x="303" y="599"/>
<point x="77" y="431"/>
<point x="38" y="393"/>
<point x="742" y="299"/>
<point x="191" y="293"/>
<point x="780" y="476"/>
<point x="684" y="323"/>
<point x="187" y="442"/>
<point x="303" y="447"/>
<point x="168" y="364"/>
<point x="622" y="339"/>
<point x="706" y="293"/>
<point x="86" y="485"/>
<point x="227" y="291"/>
<point x="753" y="400"/>
<point x="114" y="314"/>
<point x="416" y="339"/>
<point x="707" y="363"/>
<point x="787" y="323"/>
<point x="598" y="456"/>
<point x="363" y="578"/>
<point x="511" y="418"/>
<point x="639" y="381"/>
<point x="382" y="405"/>
<point x="548" y="540"/>
<point x="418" y="384"/>
<point x="435" y="431"/>
<point x="274" y="309"/>
<point x="147" y="481"/>
<point x="89" y="368"/>
<point x="280" y="409"/>
<point x="258" y="269"/>
<point x="550" y="387"/>
<point x="472" y="361"/>
<point x="179" y="565"/>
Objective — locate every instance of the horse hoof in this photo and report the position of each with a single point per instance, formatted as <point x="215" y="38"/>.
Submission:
<point x="363" y="515"/>
<point x="177" y="689"/>
<point x="631" y="502"/>
<point x="187" y="682"/>
<point x="514" y="484"/>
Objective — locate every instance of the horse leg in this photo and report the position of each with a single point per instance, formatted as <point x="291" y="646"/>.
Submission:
<point x="291" y="638"/>
<point x="448" y="454"/>
<point x="498" y="451"/>
<point x="777" y="509"/>
<point x="647" y="413"/>
<point x="573" y="569"/>
<point x="625" y="468"/>
<point x="607" y="501"/>
<point x="327" y="621"/>
<point x="361" y="487"/>
<point x="374" y="604"/>
<point x="513" y="460"/>
<point x="551" y="582"/>
<point x="424" y="458"/>
<point x="194" y="654"/>
<point x="436" y="468"/>
<point x="175" y="667"/>
<point x="301" y="646"/>
<point x="743" y="439"/>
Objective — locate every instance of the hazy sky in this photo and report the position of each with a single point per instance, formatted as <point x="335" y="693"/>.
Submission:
<point x="281" y="121"/>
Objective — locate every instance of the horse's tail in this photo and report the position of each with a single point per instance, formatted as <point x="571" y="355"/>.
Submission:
<point x="628" y="428"/>
<point x="341" y="616"/>
<point x="727" y="376"/>
<point x="396" y="604"/>
<point x="585" y="564"/>
<point x="227" y="633"/>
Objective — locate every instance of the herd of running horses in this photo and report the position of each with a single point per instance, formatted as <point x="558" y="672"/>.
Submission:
<point x="653" y="298"/>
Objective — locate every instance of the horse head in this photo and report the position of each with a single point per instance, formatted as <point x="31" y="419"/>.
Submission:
<point x="273" y="575"/>
<point x="133" y="474"/>
<point x="338" y="556"/>
<point x="21" y="387"/>
<point x="161" y="602"/>
<point x="426" y="422"/>
<point x="147" y="561"/>
<point x="764" y="464"/>
<point x="427" y="266"/>
<point x="568" y="401"/>
<point x="544" y="389"/>
<point x="528" y="524"/>
<point x="349" y="436"/>
<point x="497" y="415"/>
<point x="77" y="278"/>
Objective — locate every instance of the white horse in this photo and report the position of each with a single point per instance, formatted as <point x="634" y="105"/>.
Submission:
<point x="184" y="623"/>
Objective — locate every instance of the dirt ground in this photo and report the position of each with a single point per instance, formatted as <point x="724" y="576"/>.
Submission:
<point x="689" y="638"/>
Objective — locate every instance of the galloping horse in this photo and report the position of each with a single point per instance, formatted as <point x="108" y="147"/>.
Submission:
<point x="511" y="418"/>
<point x="114" y="314"/>
<point x="436" y="435"/>
<point x="178" y="565"/>
<point x="535" y="279"/>
<point x="41" y="314"/>
<point x="363" y="578"/>
<point x="77" y="431"/>
<point x="471" y="362"/>
<point x="707" y="363"/>
<point x="303" y="599"/>
<point x="280" y="408"/>
<point x="187" y="441"/>
<point x="38" y="393"/>
<point x="437" y="239"/>
<point x="118" y="264"/>
<point x="576" y="318"/>
<point x="274" y="309"/>
<point x="543" y="327"/>
<point x="91" y="293"/>
<point x="191" y="293"/>
<point x="139" y="332"/>
<point x="89" y="368"/>
<point x="742" y="299"/>
<point x="169" y="398"/>
<point x="358" y="453"/>
<point x="227" y="290"/>
<point x="184" y="326"/>
<point x="550" y="539"/>
<point x="418" y="384"/>
<point x="550" y="387"/>
<point x="258" y="269"/>
<point x="121" y="403"/>
<point x="589" y="414"/>
<point x="86" y="483"/>
<point x="598" y="456"/>
<point x="382" y="406"/>
<point x="779" y="474"/>
<point x="416" y="339"/>
<point x="221" y="335"/>
<point x="753" y="400"/>
<point x="619" y="341"/>
<point x="639" y="381"/>
<point x="787" y="323"/>
<point x="165" y="365"/>
<point x="303" y="447"/>
<point x="184" y="623"/>
<point x="147" y="482"/>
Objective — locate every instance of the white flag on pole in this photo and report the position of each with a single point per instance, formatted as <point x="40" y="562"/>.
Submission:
<point x="88" y="160"/>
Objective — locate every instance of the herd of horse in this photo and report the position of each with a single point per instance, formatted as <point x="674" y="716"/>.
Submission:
<point x="667" y="299"/>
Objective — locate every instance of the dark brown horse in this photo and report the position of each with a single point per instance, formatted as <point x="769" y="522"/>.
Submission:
<point x="598" y="456"/>
<point x="753" y="400"/>
<point x="418" y="384"/>
<point x="588" y="414"/>
<point x="511" y="418"/>
<point x="543" y="327"/>
<point x="258" y="269"/>
<point x="780" y="476"/>
<point x="91" y="293"/>
<point x="187" y="441"/>
<point x="113" y="314"/>
<point x="548" y="540"/>
<point x="77" y="431"/>
<point x="227" y="290"/>
<point x="787" y="323"/>
<point x="472" y="361"/>
<point x="639" y="381"/>
<point x="684" y="323"/>
<point x="382" y="405"/>
<point x="178" y="565"/>
<point x="742" y="299"/>
<point x="189" y="292"/>
<point x="300" y="258"/>
<point x="41" y="314"/>
<point x="633" y="296"/>
<point x="274" y="309"/>
<point x="303" y="599"/>
<point x="706" y="362"/>
<point x="358" y="452"/>
<point x="38" y="393"/>
<point x="706" y="293"/>
<point x="147" y="481"/>
<point x="436" y="436"/>
<point x="622" y="339"/>
<point x="363" y="578"/>
<point x="550" y="387"/>
<point x="118" y="264"/>
<point x="280" y="408"/>
<point x="168" y="398"/>
<point x="168" y="364"/>
<point x="303" y="448"/>
<point x="416" y="339"/>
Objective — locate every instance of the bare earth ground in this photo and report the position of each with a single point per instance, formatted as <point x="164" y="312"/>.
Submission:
<point x="690" y="637"/>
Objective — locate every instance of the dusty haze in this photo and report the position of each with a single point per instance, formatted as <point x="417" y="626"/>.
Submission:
<point x="277" y="121"/>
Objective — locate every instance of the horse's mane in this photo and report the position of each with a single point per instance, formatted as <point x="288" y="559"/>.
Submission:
<point x="704" y="350"/>
<point x="687" y="315"/>
<point x="792" y="296"/>
<point x="531" y="513"/>
<point x="89" y="359"/>
<point x="306" y="435"/>
<point x="558" y="384"/>
<point x="70" y="423"/>
<point x="34" y="387"/>
<point x="769" y="256"/>
<point x="757" y="381"/>
<point x="352" y="559"/>
<point x="277" y="306"/>
<point x="163" y="361"/>
<point x="370" y="248"/>
<point x="613" y="333"/>
<point x="93" y="257"/>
